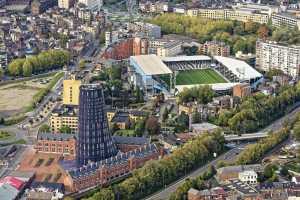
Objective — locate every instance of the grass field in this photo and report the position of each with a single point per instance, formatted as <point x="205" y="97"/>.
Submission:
<point x="199" y="76"/>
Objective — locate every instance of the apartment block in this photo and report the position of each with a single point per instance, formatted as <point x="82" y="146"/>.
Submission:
<point x="147" y="29"/>
<point x="140" y="46"/>
<point x="66" y="4"/>
<point x="282" y="19"/>
<point x="243" y="15"/>
<point x="71" y="91"/>
<point x="63" y="117"/>
<point x="271" y="55"/>
<point x="169" y="49"/>
<point x="215" y="48"/>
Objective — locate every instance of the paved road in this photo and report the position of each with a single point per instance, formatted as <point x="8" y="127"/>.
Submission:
<point x="229" y="156"/>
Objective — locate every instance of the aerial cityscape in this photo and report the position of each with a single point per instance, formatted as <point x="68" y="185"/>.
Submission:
<point x="149" y="100"/>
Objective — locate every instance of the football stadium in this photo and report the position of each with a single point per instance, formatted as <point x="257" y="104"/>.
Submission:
<point x="156" y="74"/>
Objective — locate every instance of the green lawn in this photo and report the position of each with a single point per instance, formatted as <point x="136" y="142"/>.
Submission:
<point x="199" y="76"/>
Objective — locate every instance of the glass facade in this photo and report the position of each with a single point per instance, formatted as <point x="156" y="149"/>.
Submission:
<point x="94" y="140"/>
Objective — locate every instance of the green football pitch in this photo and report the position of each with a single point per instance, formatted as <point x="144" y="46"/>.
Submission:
<point x="199" y="76"/>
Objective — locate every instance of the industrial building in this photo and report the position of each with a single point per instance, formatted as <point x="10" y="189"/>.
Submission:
<point x="94" y="140"/>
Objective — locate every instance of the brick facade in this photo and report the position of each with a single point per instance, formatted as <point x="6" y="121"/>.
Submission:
<point x="102" y="173"/>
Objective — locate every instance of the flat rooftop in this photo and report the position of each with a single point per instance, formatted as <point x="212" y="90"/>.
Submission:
<point x="151" y="64"/>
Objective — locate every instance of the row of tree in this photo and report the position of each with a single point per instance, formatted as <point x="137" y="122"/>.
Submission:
<point x="254" y="152"/>
<point x="200" y="94"/>
<point x="259" y="110"/>
<point x="198" y="183"/>
<point x="157" y="173"/>
<point x="45" y="61"/>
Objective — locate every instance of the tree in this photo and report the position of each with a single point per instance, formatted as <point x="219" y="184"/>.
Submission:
<point x="152" y="125"/>
<point x="263" y="32"/>
<point x="165" y="114"/>
<point x="240" y="45"/>
<point x="115" y="72"/>
<point x="284" y="171"/>
<point x="182" y="122"/>
<point x="138" y="95"/>
<point x="65" y="129"/>
<point x="250" y="27"/>
<point x="1" y="73"/>
<point x="81" y="64"/>
<point x="139" y="128"/>
<point x="201" y="94"/>
<point x="196" y="117"/>
<point x="27" y="68"/>
<point x="45" y="128"/>
<point x="15" y="67"/>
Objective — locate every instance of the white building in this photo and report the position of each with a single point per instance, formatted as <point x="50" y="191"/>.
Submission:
<point x="92" y="4"/>
<point x="65" y="4"/>
<point x="146" y="29"/>
<point x="271" y="55"/>
<point x="169" y="49"/>
<point x="111" y="37"/>
<point x="283" y="19"/>
<point x="249" y="177"/>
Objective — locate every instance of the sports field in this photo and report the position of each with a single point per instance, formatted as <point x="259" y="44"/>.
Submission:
<point x="199" y="76"/>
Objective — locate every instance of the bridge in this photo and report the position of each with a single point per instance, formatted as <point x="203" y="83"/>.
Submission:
<point x="247" y="137"/>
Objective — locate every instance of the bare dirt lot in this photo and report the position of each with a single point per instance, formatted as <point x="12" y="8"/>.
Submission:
<point x="15" y="97"/>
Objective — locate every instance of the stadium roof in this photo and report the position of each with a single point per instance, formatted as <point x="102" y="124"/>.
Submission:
<point x="240" y="68"/>
<point x="185" y="58"/>
<point x="151" y="64"/>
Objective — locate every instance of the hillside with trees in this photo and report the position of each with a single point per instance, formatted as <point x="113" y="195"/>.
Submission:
<point x="240" y="36"/>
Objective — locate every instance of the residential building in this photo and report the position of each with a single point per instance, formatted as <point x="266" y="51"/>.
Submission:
<point x="271" y="55"/>
<point x="232" y="172"/>
<point x="64" y="117"/>
<point x="121" y="120"/>
<point x="71" y="91"/>
<point x="241" y="190"/>
<point x="169" y="49"/>
<point x="92" y="4"/>
<point x="146" y="29"/>
<point x="216" y="193"/>
<point x="140" y="46"/>
<point x="94" y="140"/>
<point x="215" y="48"/>
<point x="249" y="177"/>
<point x="154" y="44"/>
<point x="111" y="37"/>
<point x="283" y="19"/>
<point x="242" y="90"/>
<point x="40" y="6"/>
<point x="63" y="143"/>
<point x="243" y="15"/>
<point x="66" y="4"/>
<point x="121" y="49"/>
